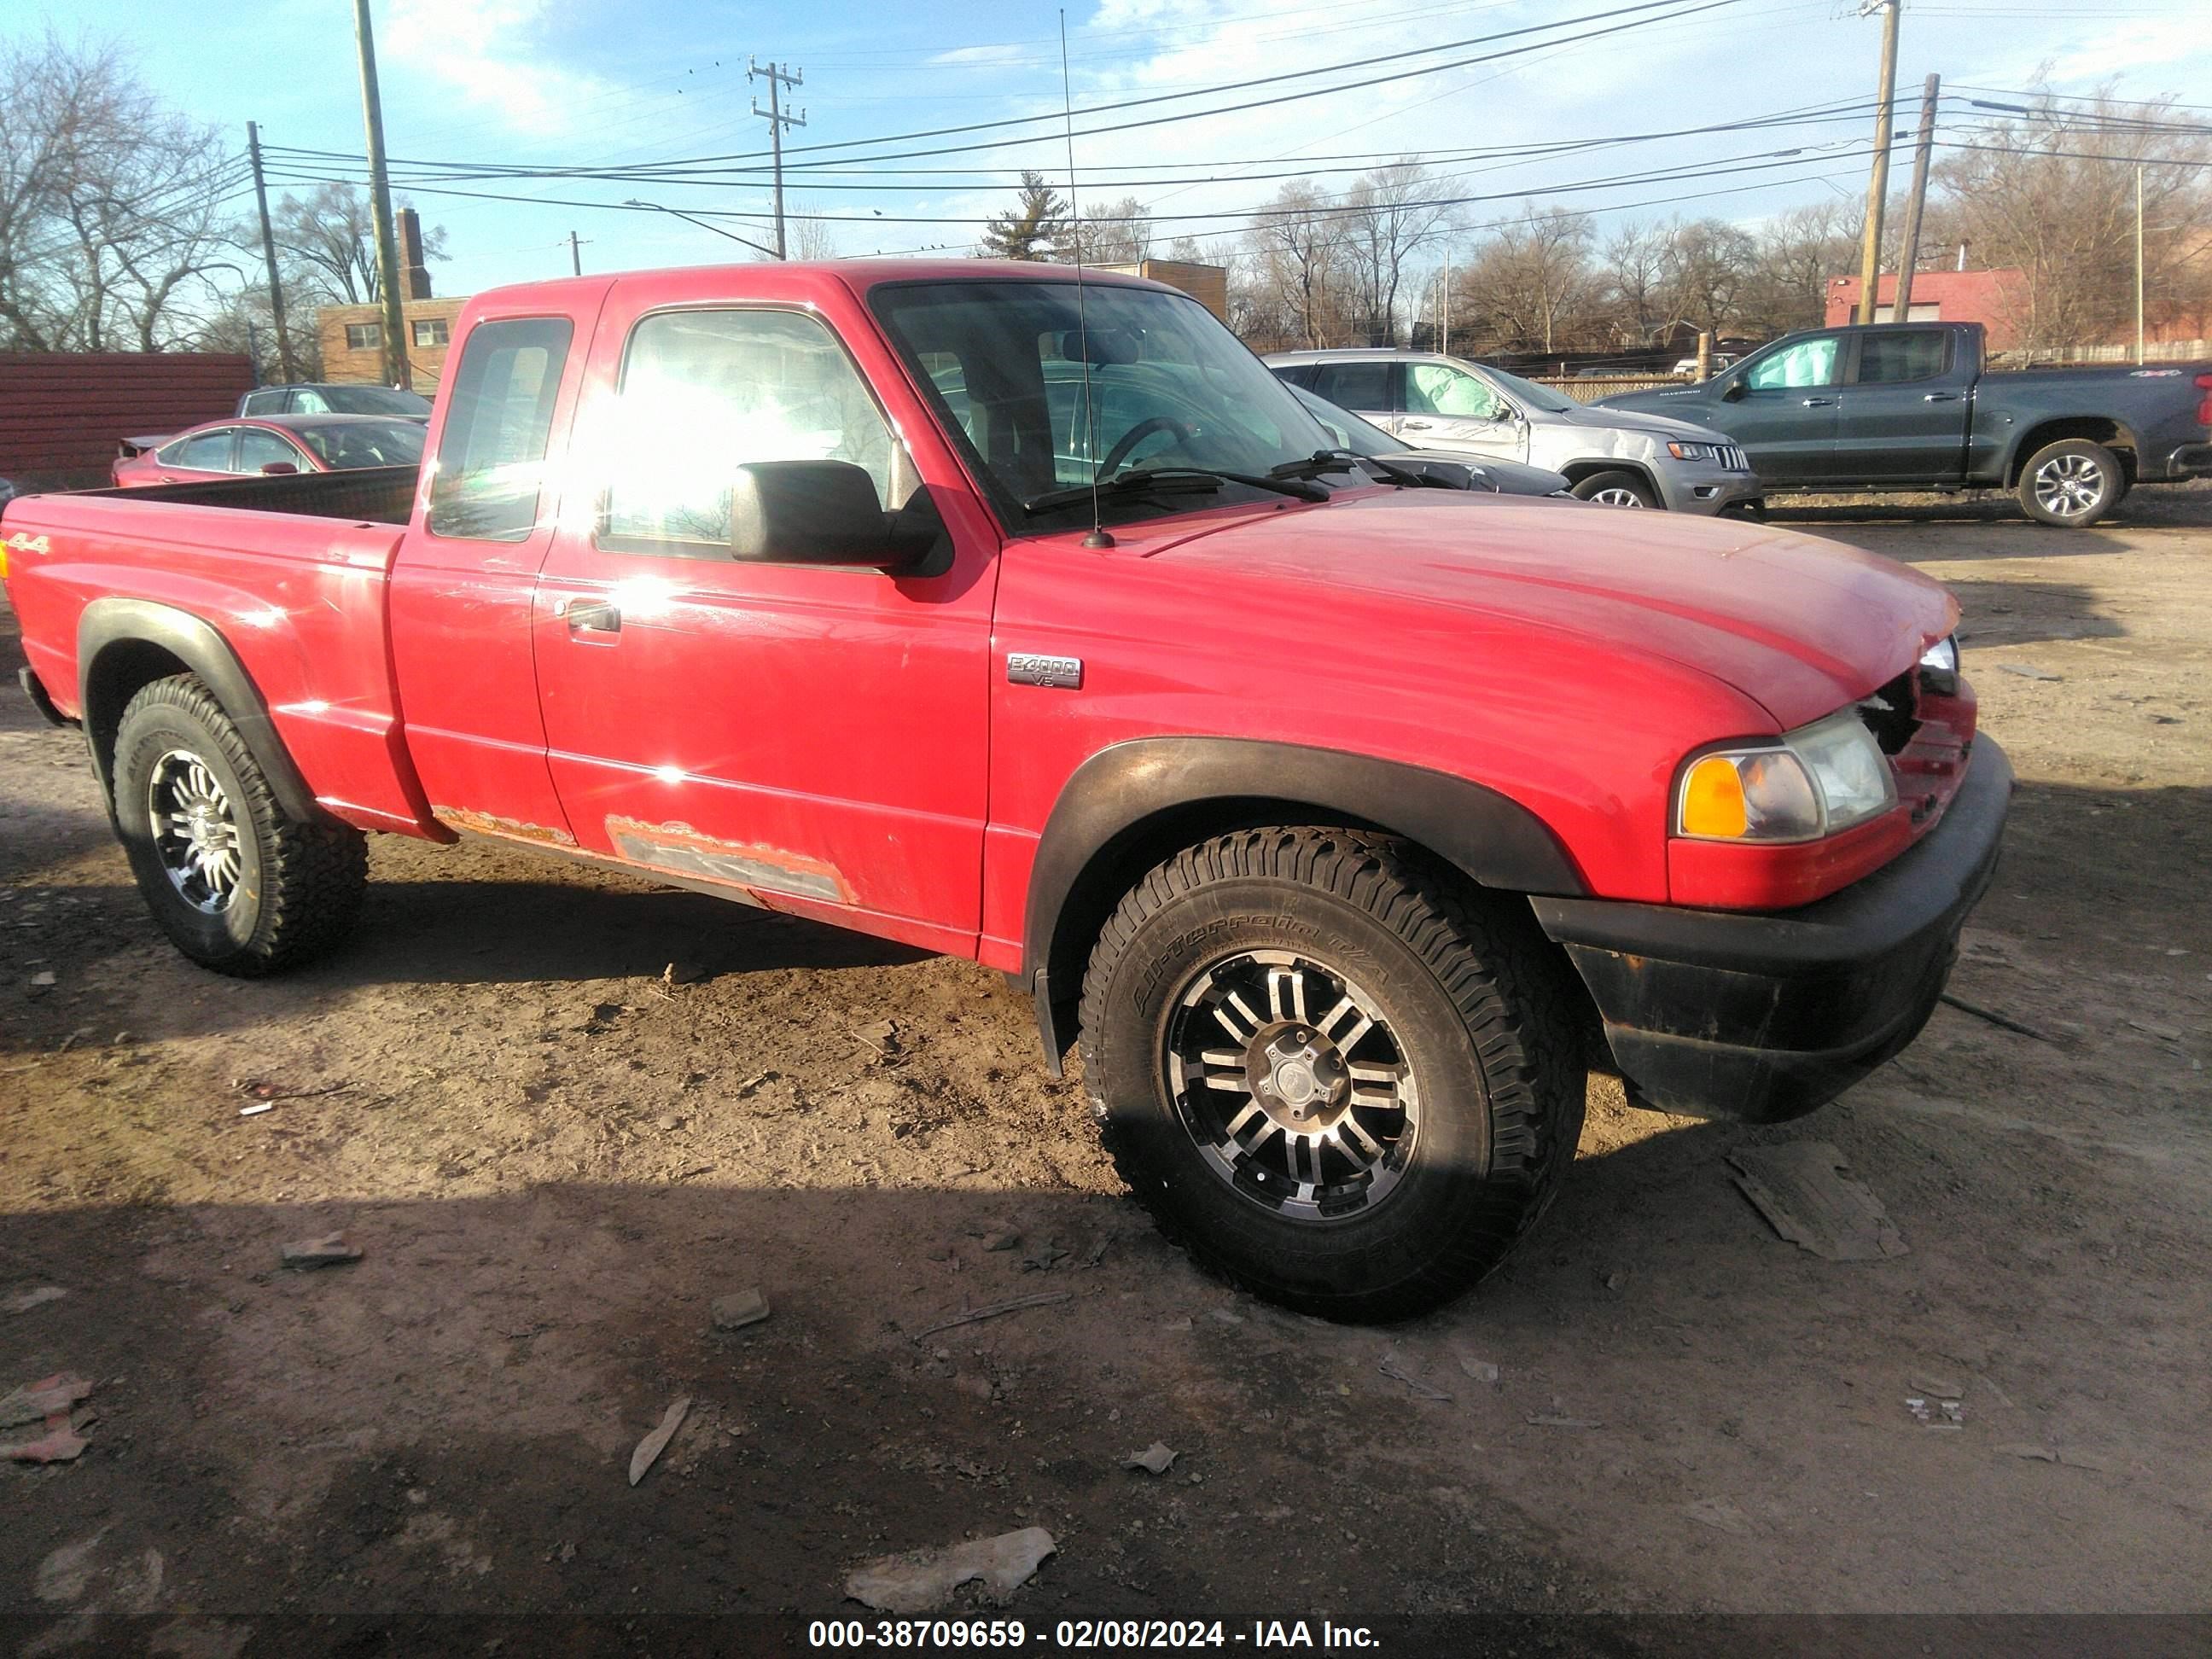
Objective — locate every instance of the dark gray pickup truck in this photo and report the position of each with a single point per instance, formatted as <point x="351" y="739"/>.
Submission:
<point x="1906" y="406"/>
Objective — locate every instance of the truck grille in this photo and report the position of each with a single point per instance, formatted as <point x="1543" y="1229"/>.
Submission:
<point x="1891" y="714"/>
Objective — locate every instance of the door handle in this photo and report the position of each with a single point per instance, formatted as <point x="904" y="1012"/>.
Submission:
<point x="1412" y="426"/>
<point x="1818" y="403"/>
<point x="1939" y="397"/>
<point x="597" y="619"/>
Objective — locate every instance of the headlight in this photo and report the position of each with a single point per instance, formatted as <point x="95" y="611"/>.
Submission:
<point x="1811" y="782"/>
<point x="1694" y="452"/>
<point x="1939" y="667"/>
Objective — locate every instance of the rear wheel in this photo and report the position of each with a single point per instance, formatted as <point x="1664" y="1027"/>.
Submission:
<point x="2072" y="483"/>
<point x="1326" y="1073"/>
<point x="236" y="883"/>
<point x="1617" y="488"/>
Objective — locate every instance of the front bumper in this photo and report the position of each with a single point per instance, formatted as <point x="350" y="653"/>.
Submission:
<point x="1690" y="489"/>
<point x="1765" y="1017"/>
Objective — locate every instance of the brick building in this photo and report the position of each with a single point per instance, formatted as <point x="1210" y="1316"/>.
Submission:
<point x="1992" y="298"/>
<point x="352" y="336"/>
<point x="352" y="340"/>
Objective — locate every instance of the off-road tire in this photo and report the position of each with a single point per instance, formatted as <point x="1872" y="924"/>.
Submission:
<point x="1619" y="484"/>
<point x="2037" y="492"/>
<point x="1480" y="996"/>
<point x="299" y="886"/>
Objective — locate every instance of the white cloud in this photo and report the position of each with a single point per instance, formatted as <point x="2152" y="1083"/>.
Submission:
<point x="488" y="51"/>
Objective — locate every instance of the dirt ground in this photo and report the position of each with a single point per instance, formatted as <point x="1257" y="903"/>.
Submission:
<point x="554" y="1159"/>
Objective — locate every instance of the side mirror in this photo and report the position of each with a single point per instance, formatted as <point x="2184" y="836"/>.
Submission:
<point x="278" y="470"/>
<point x="1735" y="393"/>
<point x="816" y="513"/>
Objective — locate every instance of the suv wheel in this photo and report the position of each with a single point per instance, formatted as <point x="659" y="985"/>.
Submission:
<point x="2072" y="483"/>
<point x="238" y="884"/>
<point x="1330" y="1078"/>
<point x="1617" y="488"/>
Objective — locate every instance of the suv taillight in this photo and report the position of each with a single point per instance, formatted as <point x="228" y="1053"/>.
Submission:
<point x="2204" y="408"/>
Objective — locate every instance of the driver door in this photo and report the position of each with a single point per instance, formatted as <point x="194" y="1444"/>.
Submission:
<point x="1448" y="408"/>
<point x="1783" y="408"/>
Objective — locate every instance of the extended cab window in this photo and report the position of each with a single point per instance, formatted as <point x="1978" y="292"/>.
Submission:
<point x="1911" y="354"/>
<point x="499" y="413"/>
<point x="1809" y="363"/>
<point x="704" y="392"/>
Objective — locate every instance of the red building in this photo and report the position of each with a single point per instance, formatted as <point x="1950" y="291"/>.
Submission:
<point x="1991" y="298"/>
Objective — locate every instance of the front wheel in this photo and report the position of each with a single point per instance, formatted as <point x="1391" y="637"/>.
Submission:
<point x="1617" y="488"/>
<point x="238" y="883"/>
<point x="1333" y="1078"/>
<point x="2072" y="483"/>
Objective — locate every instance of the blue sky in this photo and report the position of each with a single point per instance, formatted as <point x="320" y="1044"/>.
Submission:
<point x="594" y="82"/>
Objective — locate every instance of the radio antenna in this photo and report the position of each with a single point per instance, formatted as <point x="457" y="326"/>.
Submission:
<point x="1098" y="537"/>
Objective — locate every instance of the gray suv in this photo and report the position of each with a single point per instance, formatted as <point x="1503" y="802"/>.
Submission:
<point x="1608" y="456"/>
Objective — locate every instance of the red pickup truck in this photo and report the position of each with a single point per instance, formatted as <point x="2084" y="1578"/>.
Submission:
<point x="1343" y="821"/>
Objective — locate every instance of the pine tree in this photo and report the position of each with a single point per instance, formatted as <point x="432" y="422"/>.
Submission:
<point x="1034" y="230"/>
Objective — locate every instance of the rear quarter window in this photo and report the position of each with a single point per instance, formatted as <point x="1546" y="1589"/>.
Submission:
<point x="491" y="455"/>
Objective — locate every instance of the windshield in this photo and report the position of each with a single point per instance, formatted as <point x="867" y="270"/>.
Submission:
<point x="1346" y="429"/>
<point x="1529" y="392"/>
<point x="343" y="445"/>
<point x="374" y="400"/>
<point x="1169" y="387"/>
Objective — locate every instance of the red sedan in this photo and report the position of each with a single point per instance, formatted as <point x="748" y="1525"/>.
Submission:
<point x="273" y="444"/>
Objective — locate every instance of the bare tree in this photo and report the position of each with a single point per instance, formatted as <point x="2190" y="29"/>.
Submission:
<point x="1390" y="220"/>
<point x="327" y="242"/>
<point x="1796" y="255"/>
<point x="806" y="235"/>
<point x="1115" y="234"/>
<point x="1298" y="252"/>
<point x="1632" y="270"/>
<point x="112" y="228"/>
<point x="2053" y="194"/>
<point x="1707" y="264"/>
<point x="1530" y="286"/>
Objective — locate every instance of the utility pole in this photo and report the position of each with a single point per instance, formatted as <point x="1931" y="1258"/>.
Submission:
<point x="1878" y="183"/>
<point x="575" y="255"/>
<point x="269" y="253"/>
<point x="395" y="372"/>
<point x="777" y="78"/>
<point x="1923" y="142"/>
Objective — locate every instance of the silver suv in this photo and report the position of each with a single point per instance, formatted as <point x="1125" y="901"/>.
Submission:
<point x="1610" y="456"/>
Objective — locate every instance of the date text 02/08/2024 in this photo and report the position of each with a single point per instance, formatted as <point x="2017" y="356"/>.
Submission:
<point x="1084" y="1634"/>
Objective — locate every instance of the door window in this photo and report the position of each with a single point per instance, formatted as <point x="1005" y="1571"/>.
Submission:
<point x="1440" y="389"/>
<point x="499" y="415"/>
<point x="1362" y="387"/>
<point x="263" y="403"/>
<point x="1909" y="353"/>
<point x="258" y="448"/>
<point x="705" y="392"/>
<point x="306" y="400"/>
<point x="208" y="452"/>
<point x="1809" y="363"/>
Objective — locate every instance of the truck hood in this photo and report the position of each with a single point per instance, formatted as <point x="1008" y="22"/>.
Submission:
<point x="1801" y="626"/>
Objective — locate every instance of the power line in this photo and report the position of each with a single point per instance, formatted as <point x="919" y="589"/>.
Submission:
<point x="1679" y="11"/>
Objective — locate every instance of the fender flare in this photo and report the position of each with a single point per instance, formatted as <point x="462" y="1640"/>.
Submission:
<point x="1126" y="796"/>
<point x="110" y="624"/>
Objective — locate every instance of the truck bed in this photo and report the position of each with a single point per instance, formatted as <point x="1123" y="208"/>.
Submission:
<point x="375" y="494"/>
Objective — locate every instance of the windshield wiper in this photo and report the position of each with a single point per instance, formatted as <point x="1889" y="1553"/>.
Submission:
<point x="1313" y="465"/>
<point x="1139" y="480"/>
